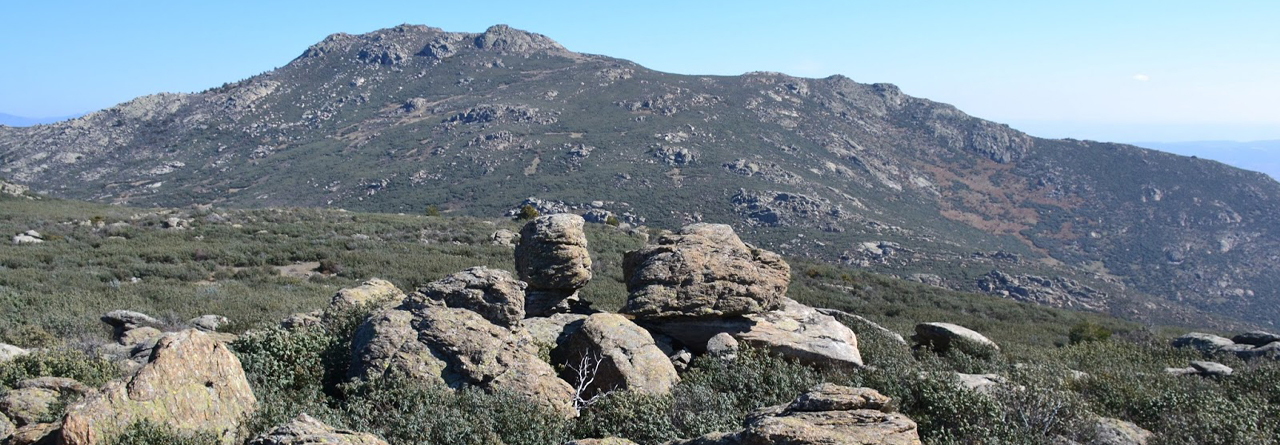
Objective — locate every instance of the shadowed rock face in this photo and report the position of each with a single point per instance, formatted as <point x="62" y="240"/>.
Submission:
<point x="190" y="382"/>
<point x="705" y="270"/>
<point x="423" y="339"/>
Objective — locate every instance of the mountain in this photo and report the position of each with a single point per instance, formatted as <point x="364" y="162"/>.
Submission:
<point x="19" y="121"/>
<point x="481" y="124"/>
<point x="1259" y="156"/>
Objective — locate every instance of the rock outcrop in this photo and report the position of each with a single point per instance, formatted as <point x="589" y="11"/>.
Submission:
<point x="424" y="339"/>
<point x="552" y="257"/>
<point x="942" y="337"/>
<point x="794" y="331"/>
<point x="1203" y="369"/>
<point x="25" y="406"/>
<point x="826" y="415"/>
<point x="123" y="321"/>
<point x="375" y="292"/>
<point x="1248" y="345"/>
<point x="190" y="382"/>
<point x="705" y="270"/>
<point x="492" y="293"/>
<point x="306" y="430"/>
<point x="208" y="323"/>
<point x="615" y="354"/>
<point x="1256" y="338"/>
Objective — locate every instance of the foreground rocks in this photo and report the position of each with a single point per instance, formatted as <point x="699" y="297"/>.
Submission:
<point x="826" y="415"/>
<point x="10" y="352"/>
<point x="425" y="340"/>
<point x="616" y="355"/>
<point x="190" y="382"/>
<point x="705" y="270"/>
<point x="305" y="430"/>
<point x="551" y="256"/>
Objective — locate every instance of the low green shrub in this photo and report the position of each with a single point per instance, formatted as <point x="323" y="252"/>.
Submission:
<point x="148" y="433"/>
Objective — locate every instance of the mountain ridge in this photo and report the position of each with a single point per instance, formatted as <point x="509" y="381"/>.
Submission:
<point x="475" y="123"/>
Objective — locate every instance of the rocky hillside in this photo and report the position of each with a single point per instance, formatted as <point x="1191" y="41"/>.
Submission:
<point x="481" y="124"/>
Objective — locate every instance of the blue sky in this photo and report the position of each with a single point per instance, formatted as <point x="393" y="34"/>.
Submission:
<point x="1115" y="70"/>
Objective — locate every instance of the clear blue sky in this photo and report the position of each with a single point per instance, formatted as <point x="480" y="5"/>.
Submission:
<point x="1111" y="70"/>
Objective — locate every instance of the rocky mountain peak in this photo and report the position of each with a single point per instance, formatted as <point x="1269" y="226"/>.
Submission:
<point x="507" y="39"/>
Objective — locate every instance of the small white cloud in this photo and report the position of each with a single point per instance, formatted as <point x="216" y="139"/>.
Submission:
<point x="1141" y="77"/>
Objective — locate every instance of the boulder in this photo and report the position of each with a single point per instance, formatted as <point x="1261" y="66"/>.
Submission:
<point x="1215" y="369"/>
<point x="26" y="239"/>
<point x="703" y="271"/>
<point x="941" y="337"/>
<point x="303" y="320"/>
<point x="609" y="352"/>
<point x="722" y="344"/>
<point x="138" y="336"/>
<point x="35" y="434"/>
<point x="555" y="330"/>
<point x="552" y="257"/>
<point x="1109" y="431"/>
<point x="62" y="385"/>
<point x="605" y="441"/>
<point x="1255" y="338"/>
<point x="375" y="291"/>
<point x="1268" y="350"/>
<point x="795" y="331"/>
<point x="981" y="383"/>
<point x="862" y="322"/>
<point x="492" y="293"/>
<point x="6" y="429"/>
<point x="122" y="321"/>
<point x="190" y="382"/>
<point x="425" y="340"/>
<point x="25" y="406"/>
<point x="208" y="323"/>
<point x="826" y="415"/>
<point x="305" y="430"/>
<point x="1203" y="342"/>
<point x="504" y="237"/>
<point x="10" y="352"/>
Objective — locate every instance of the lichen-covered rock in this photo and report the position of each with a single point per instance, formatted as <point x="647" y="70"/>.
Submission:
<point x="122" y="321"/>
<point x="1203" y="342"/>
<point x="827" y="414"/>
<point x="306" y="430"/>
<point x="423" y="339"/>
<point x="62" y="385"/>
<point x="941" y="337"/>
<point x="552" y="257"/>
<point x="626" y="355"/>
<point x="190" y="382"/>
<point x="492" y="293"/>
<point x="555" y="330"/>
<point x="722" y="344"/>
<point x="139" y="336"/>
<point x="703" y="271"/>
<point x="26" y="406"/>
<point x="375" y="291"/>
<point x="504" y="237"/>
<point x="794" y="330"/>
<point x="6" y="428"/>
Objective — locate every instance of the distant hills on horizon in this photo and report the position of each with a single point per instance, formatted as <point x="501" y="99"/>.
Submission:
<point x="23" y="121"/>
<point x="1259" y="156"/>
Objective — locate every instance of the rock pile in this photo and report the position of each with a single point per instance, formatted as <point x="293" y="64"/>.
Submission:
<point x="1246" y="346"/>
<point x="828" y="415"/>
<point x="552" y="257"/>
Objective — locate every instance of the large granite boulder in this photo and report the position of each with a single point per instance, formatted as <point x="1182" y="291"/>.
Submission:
<point x="942" y="337"/>
<point x="793" y="330"/>
<point x="35" y="434"/>
<point x="426" y="340"/>
<point x="555" y="330"/>
<point x="190" y="382"/>
<point x="306" y="430"/>
<point x="551" y="255"/>
<point x="25" y="406"/>
<point x="492" y="293"/>
<point x="703" y="271"/>
<point x="826" y="415"/>
<point x="609" y="352"/>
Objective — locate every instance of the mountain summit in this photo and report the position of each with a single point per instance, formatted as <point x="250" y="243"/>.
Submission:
<point x="402" y="118"/>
